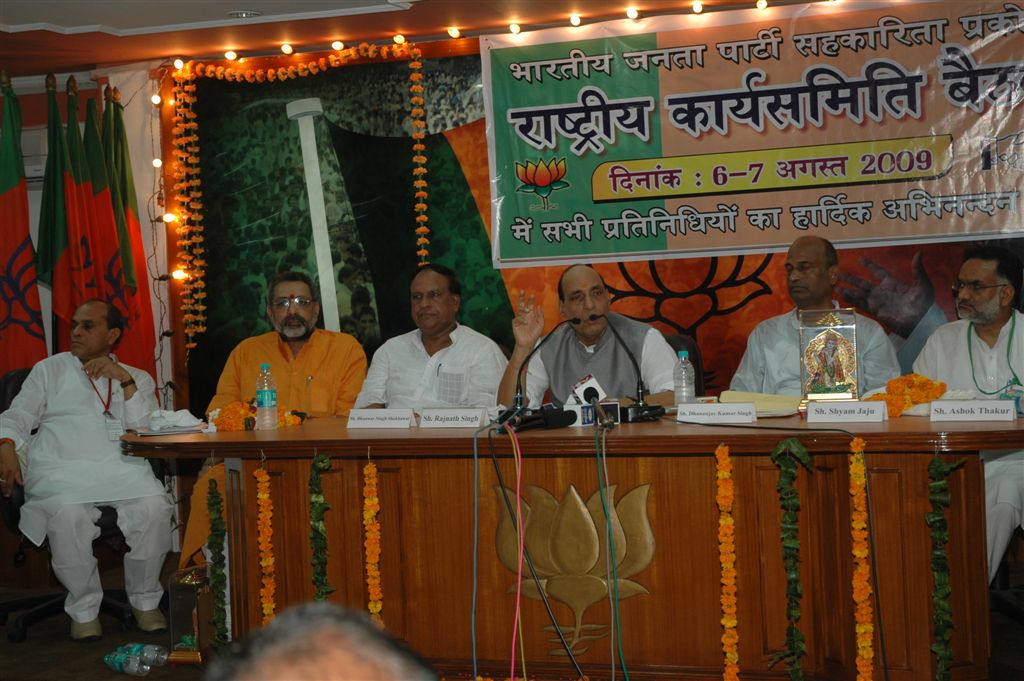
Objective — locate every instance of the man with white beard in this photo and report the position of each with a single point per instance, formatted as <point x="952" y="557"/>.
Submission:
<point x="984" y="353"/>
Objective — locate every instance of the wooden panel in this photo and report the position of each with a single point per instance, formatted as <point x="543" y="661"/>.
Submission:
<point x="669" y="608"/>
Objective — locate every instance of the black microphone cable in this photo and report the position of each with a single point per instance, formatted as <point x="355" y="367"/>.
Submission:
<point x="526" y="555"/>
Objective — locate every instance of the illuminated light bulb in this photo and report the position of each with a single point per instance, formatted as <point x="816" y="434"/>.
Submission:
<point x="157" y="163"/>
<point x="287" y="49"/>
<point x="179" y="274"/>
<point x="761" y="4"/>
<point x="179" y="64"/>
<point x="574" y="19"/>
<point x="454" y="32"/>
<point x="698" y="7"/>
<point x="231" y="55"/>
<point x="632" y="13"/>
<point x="155" y="99"/>
<point x="337" y="45"/>
<point x="514" y="29"/>
<point x="399" y="39"/>
<point x="170" y="217"/>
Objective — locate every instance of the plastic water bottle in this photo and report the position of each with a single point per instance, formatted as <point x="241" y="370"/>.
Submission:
<point x="266" y="400"/>
<point x="153" y="655"/>
<point x="126" y="664"/>
<point x="683" y="379"/>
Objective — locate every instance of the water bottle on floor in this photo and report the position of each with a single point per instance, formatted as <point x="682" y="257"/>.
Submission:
<point x="126" y="664"/>
<point x="683" y="379"/>
<point x="266" y="400"/>
<point x="153" y="655"/>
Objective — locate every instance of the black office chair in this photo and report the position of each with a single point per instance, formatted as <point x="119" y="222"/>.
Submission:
<point x="36" y="608"/>
<point x="683" y="342"/>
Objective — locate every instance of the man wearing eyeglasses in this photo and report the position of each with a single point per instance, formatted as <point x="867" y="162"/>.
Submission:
<point x="771" y="363"/>
<point x="317" y="371"/>
<point x="983" y="352"/>
<point x="441" y="363"/>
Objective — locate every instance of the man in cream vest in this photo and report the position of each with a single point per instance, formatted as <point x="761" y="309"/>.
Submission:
<point x="586" y="346"/>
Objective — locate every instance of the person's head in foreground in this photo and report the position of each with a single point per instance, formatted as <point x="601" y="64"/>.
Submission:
<point x="319" y="642"/>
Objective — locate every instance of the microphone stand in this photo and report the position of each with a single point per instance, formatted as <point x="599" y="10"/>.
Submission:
<point x="517" y="401"/>
<point x="639" y="410"/>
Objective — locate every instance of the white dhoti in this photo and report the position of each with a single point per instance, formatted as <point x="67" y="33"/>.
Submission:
<point x="1004" y="503"/>
<point x="145" y="523"/>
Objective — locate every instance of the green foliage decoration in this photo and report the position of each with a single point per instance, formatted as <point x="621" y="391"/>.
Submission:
<point x="317" y="532"/>
<point x="218" y="579"/>
<point x="942" y="622"/>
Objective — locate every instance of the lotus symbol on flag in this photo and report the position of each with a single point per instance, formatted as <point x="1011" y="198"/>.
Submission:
<point x="541" y="178"/>
<point x="567" y="542"/>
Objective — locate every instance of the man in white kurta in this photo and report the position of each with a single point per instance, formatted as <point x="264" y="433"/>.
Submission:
<point x="771" y="363"/>
<point x="81" y="402"/>
<point x="439" y="364"/>
<point x="983" y="352"/>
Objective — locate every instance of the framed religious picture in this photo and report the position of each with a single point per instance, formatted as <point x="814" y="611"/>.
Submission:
<point x="828" y="354"/>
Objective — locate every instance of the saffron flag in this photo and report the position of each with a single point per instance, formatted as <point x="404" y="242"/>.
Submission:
<point x="106" y="252"/>
<point x="140" y="346"/>
<point x="57" y="262"/>
<point x="22" y="337"/>
<point x="81" y="236"/>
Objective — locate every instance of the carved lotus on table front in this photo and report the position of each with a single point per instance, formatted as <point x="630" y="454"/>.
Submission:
<point x="568" y="542"/>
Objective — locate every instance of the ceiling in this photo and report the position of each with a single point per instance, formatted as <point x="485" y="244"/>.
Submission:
<point x="64" y="36"/>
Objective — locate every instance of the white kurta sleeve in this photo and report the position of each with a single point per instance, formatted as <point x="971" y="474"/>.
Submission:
<point x="485" y="372"/>
<point x="657" y="363"/>
<point x="22" y="417"/>
<point x="375" y="386"/>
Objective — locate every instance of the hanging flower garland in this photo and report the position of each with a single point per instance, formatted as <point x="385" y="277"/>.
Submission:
<point x="788" y="455"/>
<point x="265" y="541"/>
<point x="942" y="625"/>
<point x="317" y="532"/>
<point x="218" y="580"/>
<point x="862" y="590"/>
<point x="724" y="497"/>
<point x="419" y="159"/>
<point x="187" y="204"/>
<point x="371" y="543"/>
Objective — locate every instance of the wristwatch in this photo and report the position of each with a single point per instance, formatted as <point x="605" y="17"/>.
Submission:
<point x="125" y="384"/>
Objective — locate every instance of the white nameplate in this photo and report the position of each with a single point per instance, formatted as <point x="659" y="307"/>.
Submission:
<point x="973" y="410"/>
<point x="380" y="418"/>
<point x="853" y="411"/>
<point x="453" y="418"/>
<point x="736" y="412"/>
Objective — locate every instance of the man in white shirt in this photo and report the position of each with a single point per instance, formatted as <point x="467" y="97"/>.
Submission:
<point x="81" y="402"/>
<point x="983" y="352"/>
<point x="771" y="363"/>
<point x="441" y="363"/>
<point x="585" y="346"/>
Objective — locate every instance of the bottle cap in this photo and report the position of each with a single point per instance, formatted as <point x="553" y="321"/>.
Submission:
<point x="683" y="354"/>
<point x="264" y="367"/>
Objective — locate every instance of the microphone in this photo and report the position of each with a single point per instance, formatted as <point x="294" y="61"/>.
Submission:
<point x="639" y="410"/>
<point x="545" y="418"/>
<point x="603" y="420"/>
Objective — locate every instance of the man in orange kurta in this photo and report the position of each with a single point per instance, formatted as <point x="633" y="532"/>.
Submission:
<point x="318" y="372"/>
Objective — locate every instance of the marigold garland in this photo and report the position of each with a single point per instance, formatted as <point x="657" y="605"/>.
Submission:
<point x="903" y="392"/>
<point x="185" y="169"/>
<point x="724" y="497"/>
<point x="419" y="158"/>
<point x="862" y="588"/>
<point x="371" y="544"/>
<point x="236" y="416"/>
<point x="265" y="541"/>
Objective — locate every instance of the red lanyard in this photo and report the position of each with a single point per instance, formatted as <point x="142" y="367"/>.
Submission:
<point x="106" y="404"/>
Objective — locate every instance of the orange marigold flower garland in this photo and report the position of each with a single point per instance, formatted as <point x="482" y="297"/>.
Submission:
<point x="242" y="416"/>
<point x="903" y="392"/>
<point x="264" y="538"/>
<point x="724" y="496"/>
<point x="419" y="158"/>
<point x="862" y="590"/>
<point x="371" y="543"/>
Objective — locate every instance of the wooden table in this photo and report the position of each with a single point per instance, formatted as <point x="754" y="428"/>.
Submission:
<point x="663" y="479"/>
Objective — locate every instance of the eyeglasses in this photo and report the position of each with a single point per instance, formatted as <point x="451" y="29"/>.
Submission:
<point x="300" y="302"/>
<point x="974" y="287"/>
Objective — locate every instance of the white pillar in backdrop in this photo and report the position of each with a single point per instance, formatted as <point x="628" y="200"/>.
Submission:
<point x="304" y="112"/>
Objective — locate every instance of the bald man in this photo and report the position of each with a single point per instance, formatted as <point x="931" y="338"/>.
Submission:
<point x="586" y="347"/>
<point x="771" y="363"/>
